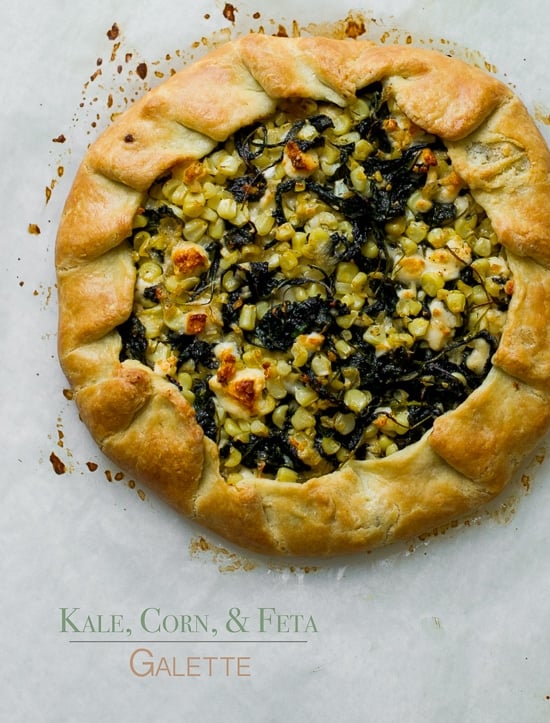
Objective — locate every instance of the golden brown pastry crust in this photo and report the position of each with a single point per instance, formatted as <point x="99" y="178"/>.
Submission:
<point x="144" y="424"/>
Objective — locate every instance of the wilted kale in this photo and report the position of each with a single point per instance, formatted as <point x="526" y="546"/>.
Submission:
<point x="270" y="453"/>
<point x="238" y="236"/>
<point x="260" y="280"/>
<point x="399" y="179"/>
<point x="248" y="146"/>
<point x="191" y="347"/>
<point x="284" y="322"/>
<point x="440" y="214"/>
<point x="134" y="341"/>
<point x="205" y="410"/>
<point x="248" y="188"/>
<point x="321" y="122"/>
<point x="155" y="215"/>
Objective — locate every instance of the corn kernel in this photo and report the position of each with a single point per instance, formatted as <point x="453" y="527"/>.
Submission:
<point x="418" y="327"/>
<point x="464" y="225"/>
<point x="482" y="246"/>
<point x="150" y="271"/>
<point x="302" y="419"/>
<point x="330" y="445"/>
<point x="233" y="458"/>
<point x="456" y="302"/>
<point x="194" y="230"/>
<point x="279" y="415"/>
<point x="432" y="282"/>
<point x="258" y="428"/>
<point x="357" y="400"/>
<point x="285" y="232"/>
<point x="227" y="208"/>
<point x="216" y="229"/>
<point x="417" y="231"/>
<point x="288" y="261"/>
<point x="285" y="474"/>
<point x="320" y="365"/>
<point x="247" y="317"/>
<point x="344" y="423"/>
<point x="305" y="395"/>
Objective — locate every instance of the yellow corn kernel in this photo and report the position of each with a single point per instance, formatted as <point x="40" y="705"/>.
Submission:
<point x="418" y="327"/>
<point x="399" y="339"/>
<point x="357" y="400"/>
<point x="417" y="231"/>
<point x="276" y="387"/>
<point x="359" y="281"/>
<point x="216" y="229"/>
<point x="330" y="445"/>
<point x="479" y="295"/>
<point x="227" y="208"/>
<point x="288" y="261"/>
<point x="228" y="164"/>
<point x="258" y="428"/>
<point x="174" y="190"/>
<point x="417" y="203"/>
<point x="263" y="223"/>
<point x="359" y="179"/>
<point x="140" y="221"/>
<point x="456" y="302"/>
<point x="343" y="348"/>
<point x="320" y="365"/>
<point x="231" y="427"/>
<point x="363" y="149"/>
<point x="370" y="250"/>
<point x="437" y="237"/>
<point x="482" y="246"/>
<point x="346" y="321"/>
<point x="233" y="458"/>
<point x="346" y="272"/>
<point x="409" y="246"/>
<point x="305" y="395"/>
<point x="344" y="423"/>
<point x="464" y="225"/>
<point x="194" y="230"/>
<point x="432" y="282"/>
<point x="279" y="415"/>
<point x="142" y="241"/>
<point x="408" y="307"/>
<point x="342" y="124"/>
<point x="299" y="355"/>
<point x="209" y="214"/>
<point x="396" y="227"/>
<point x="247" y="317"/>
<point x="149" y="271"/>
<point x="284" y="232"/>
<point x="185" y="380"/>
<point x="193" y="204"/>
<point x="285" y="474"/>
<point x="302" y="419"/>
<point x="374" y="335"/>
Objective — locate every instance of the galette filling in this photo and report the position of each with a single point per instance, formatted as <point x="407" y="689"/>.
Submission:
<point x="320" y="287"/>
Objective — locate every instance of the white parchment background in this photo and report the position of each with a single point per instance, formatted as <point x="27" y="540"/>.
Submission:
<point x="451" y="628"/>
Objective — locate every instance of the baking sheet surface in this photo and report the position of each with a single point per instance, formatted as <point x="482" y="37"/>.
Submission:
<point x="112" y="606"/>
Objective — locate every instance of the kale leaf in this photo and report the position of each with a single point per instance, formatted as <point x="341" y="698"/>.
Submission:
<point x="134" y="341"/>
<point x="270" y="453"/>
<point x="284" y="322"/>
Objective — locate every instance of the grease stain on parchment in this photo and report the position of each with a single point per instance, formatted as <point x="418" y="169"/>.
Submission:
<point x="228" y="561"/>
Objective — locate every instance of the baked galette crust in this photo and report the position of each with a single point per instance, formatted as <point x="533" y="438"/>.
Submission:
<point x="145" y="425"/>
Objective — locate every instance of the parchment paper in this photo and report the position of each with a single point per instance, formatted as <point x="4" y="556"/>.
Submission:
<point x="113" y="608"/>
